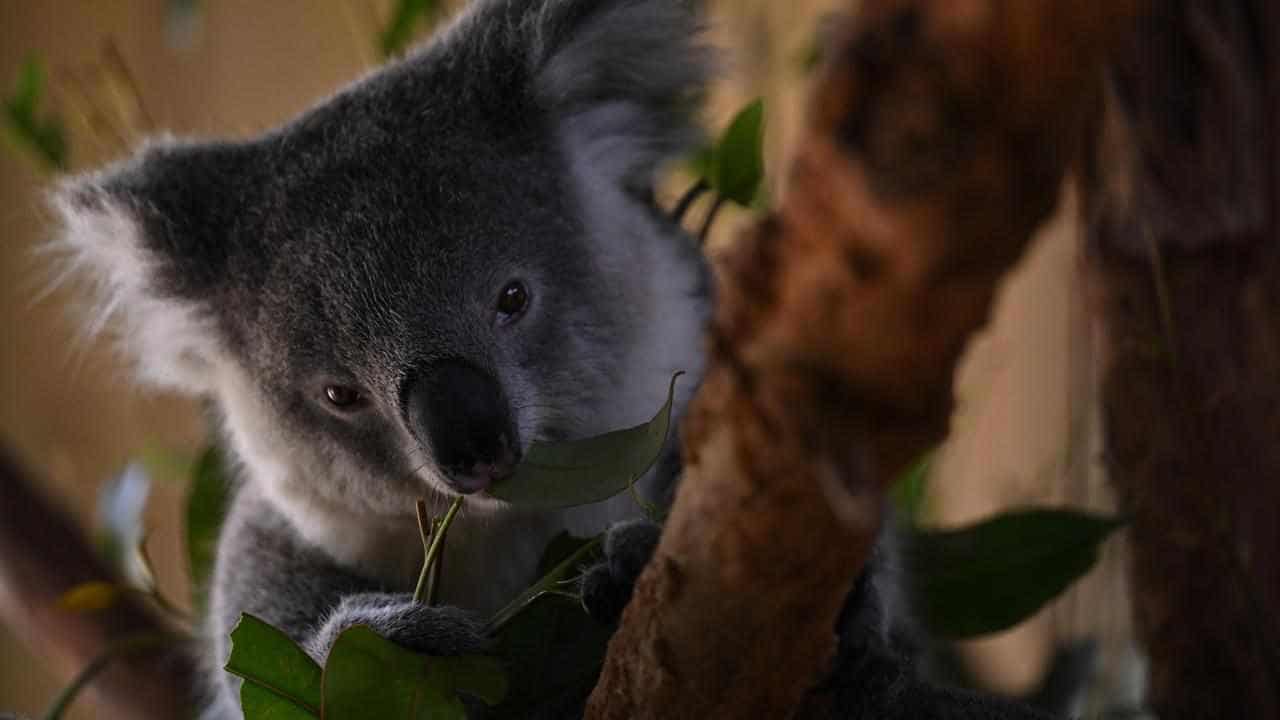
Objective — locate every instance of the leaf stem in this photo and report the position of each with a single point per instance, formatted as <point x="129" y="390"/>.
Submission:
<point x="711" y="218"/>
<point x="650" y="510"/>
<point x="433" y="572"/>
<point x="426" y="585"/>
<point x="544" y="586"/>
<point x="425" y="529"/>
<point x="127" y="646"/>
<point x="689" y="198"/>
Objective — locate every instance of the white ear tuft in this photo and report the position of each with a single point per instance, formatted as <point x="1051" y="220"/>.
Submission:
<point x="170" y="340"/>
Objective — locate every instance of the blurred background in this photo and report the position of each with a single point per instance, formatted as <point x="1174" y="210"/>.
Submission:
<point x="1025" y="428"/>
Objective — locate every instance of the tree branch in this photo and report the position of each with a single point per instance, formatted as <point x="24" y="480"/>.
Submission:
<point x="941" y="132"/>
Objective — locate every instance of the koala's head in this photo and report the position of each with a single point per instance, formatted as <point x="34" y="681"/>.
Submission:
<point x="451" y="259"/>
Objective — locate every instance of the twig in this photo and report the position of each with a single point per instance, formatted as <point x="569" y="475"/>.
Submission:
<point x="426" y="528"/>
<point x="425" y="591"/>
<point x="688" y="199"/>
<point x="544" y="586"/>
<point x="711" y="218"/>
<point x="121" y="649"/>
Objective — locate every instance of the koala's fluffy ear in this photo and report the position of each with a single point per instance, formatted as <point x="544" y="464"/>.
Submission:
<point x="625" y="77"/>
<point x="151" y="234"/>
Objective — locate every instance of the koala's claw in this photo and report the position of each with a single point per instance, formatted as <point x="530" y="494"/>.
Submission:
<point x="438" y="631"/>
<point x="607" y="587"/>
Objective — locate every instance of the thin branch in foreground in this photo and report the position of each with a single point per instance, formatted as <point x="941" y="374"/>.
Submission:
<point x="42" y="556"/>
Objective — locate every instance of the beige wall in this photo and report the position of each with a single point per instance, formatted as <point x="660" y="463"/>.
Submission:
<point x="67" y="404"/>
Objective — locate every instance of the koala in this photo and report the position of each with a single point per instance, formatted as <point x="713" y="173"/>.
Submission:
<point x="394" y="295"/>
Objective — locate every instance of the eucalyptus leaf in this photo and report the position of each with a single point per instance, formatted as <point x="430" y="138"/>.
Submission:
<point x="121" y="503"/>
<point x="167" y="464"/>
<point x="553" y="652"/>
<point x="46" y="138"/>
<point x="702" y="163"/>
<point x="30" y="86"/>
<point x="404" y="20"/>
<point x="182" y="23"/>
<point x="990" y="576"/>
<point x="552" y="580"/>
<point x="280" y="680"/>
<point x="561" y="548"/>
<point x="739" y="159"/>
<point x="207" y="501"/>
<point x="579" y="472"/>
<point x="552" y="649"/>
<point x="367" y="676"/>
<point x="90" y="596"/>
<point x="908" y="492"/>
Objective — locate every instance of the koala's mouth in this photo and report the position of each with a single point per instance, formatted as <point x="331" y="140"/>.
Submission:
<point x="479" y="475"/>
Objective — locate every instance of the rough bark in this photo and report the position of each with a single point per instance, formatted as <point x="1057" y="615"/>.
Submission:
<point x="1185" y="259"/>
<point x="941" y="131"/>
<point x="42" y="555"/>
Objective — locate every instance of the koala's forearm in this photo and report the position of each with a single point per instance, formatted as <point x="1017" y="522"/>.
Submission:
<point x="265" y="569"/>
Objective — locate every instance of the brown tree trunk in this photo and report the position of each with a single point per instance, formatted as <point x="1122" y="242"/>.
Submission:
<point x="941" y="133"/>
<point x="1185" y="257"/>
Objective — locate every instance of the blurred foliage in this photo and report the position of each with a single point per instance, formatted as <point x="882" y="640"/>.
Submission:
<point x="44" y="136"/>
<point x="121" y="532"/>
<point x="407" y="17"/>
<point x="207" y="501"/>
<point x="987" y="577"/>
<point x="733" y="167"/>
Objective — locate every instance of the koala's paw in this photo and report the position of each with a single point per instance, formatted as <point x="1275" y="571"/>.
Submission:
<point x="432" y="630"/>
<point x="607" y="587"/>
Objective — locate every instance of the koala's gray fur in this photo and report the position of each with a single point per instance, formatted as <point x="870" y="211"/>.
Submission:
<point x="367" y="240"/>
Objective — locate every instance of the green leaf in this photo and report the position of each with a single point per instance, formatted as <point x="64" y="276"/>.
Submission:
<point x="552" y="651"/>
<point x="579" y="472"/>
<point x="734" y="166"/>
<point x="562" y="547"/>
<point x="166" y="464"/>
<point x="45" y="138"/>
<point x="812" y="56"/>
<point x="121" y="503"/>
<point x="909" y="491"/>
<point x="90" y="596"/>
<point x="206" y="510"/>
<point x="739" y="166"/>
<point x="404" y="20"/>
<point x="367" y="676"/>
<point x="702" y="163"/>
<point x="551" y="582"/>
<point x="281" y="682"/>
<point x="990" y="576"/>
<point x="30" y="86"/>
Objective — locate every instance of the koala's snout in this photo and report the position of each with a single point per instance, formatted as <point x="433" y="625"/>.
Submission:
<point x="462" y="413"/>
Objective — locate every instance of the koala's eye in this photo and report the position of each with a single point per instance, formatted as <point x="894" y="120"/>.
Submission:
<point x="342" y="397"/>
<point x="513" y="299"/>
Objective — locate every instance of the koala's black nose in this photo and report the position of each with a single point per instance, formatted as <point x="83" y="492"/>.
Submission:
<point x="462" y="413"/>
